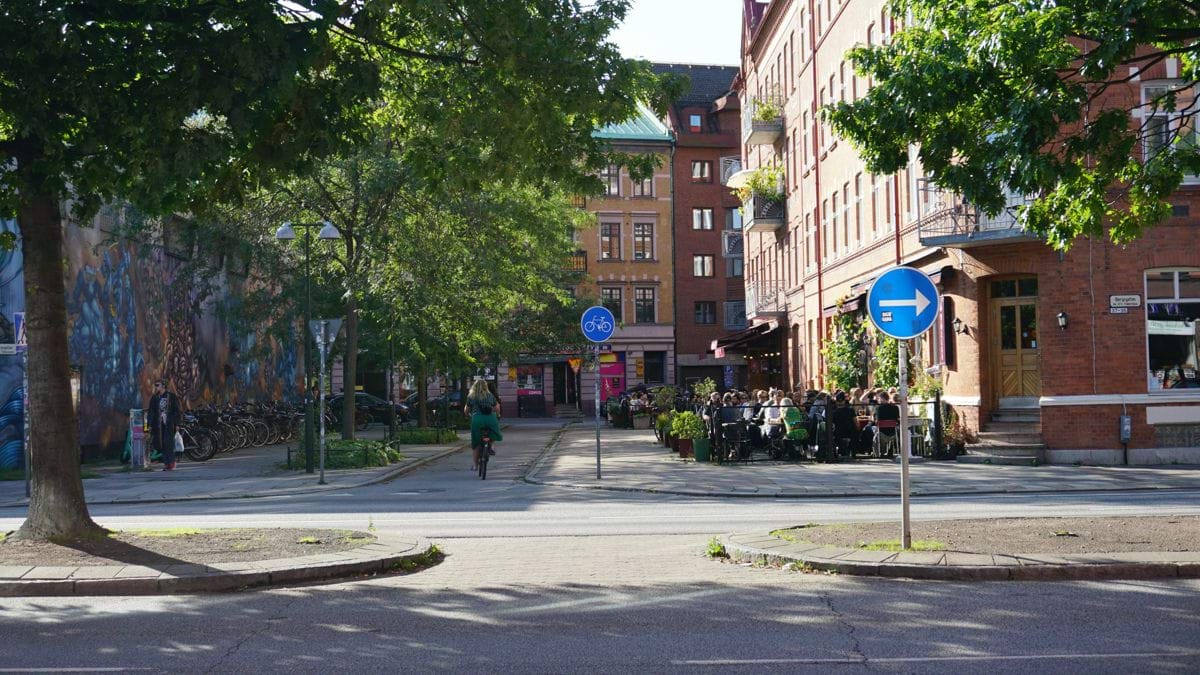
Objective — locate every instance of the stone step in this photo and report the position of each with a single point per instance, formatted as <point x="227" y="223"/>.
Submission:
<point x="1006" y="449"/>
<point x="1009" y="438"/>
<point x="1024" y="460"/>
<point x="999" y="417"/>
<point x="1012" y="427"/>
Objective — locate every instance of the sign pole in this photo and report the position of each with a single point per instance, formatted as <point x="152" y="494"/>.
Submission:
<point x="905" y="442"/>
<point x="597" y="388"/>
<point x="321" y="411"/>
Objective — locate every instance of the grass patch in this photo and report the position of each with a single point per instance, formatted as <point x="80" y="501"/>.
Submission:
<point x="432" y="556"/>
<point x="894" y="545"/>
<point x="425" y="436"/>
<point x="716" y="549"/>
<point x="309" y="540"/>
<point x="356" y="454"/>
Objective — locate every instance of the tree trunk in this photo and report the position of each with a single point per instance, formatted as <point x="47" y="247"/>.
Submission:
<point x="56" y="506"/>
<point x="423" y="396"/>
<point x="350" y="368"/>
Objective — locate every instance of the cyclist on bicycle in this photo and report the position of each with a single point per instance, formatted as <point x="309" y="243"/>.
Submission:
<point x="484" y="410"/>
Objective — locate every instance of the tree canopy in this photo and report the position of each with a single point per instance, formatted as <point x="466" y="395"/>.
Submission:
<point x="1039" y="99"/>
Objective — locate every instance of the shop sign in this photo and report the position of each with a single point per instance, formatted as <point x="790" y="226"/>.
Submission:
<point x="639" y="366"/>
<point x="720" y="352"/>
<point x="575" y="363"/>
<point x="1133" y="300"/>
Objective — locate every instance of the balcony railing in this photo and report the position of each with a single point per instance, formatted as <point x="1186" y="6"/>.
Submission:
<point x="735" y="315"/>
<point x="953" y="222"/>
<point x="765" y="300"/>
<point x="729" y="166"/>
<point x="731" y="244"/>
<point x="764" y="214"/>
<point x="768" y="127"/>
<point x="577" y="262"/>
<point x="579" y="201"/>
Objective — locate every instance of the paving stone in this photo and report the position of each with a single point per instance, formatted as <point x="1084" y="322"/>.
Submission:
<point x="1005" y="560"/>
<point x="47" y="572"/>
<point x="956" y="559"/>
<point x="14" y="571"/>
<point x="826" y="553"/>
<point x="1040" y="559"/>
<point x="869" y="556"/>
<point x="187" y="570"/>
<point x="919" y="558"/>
<point x="138" y="571"/>
<point x="97" y="572"/>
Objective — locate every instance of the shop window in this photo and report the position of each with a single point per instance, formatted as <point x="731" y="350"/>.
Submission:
<point x="1172" y="328"/>
<point x="529" y="380"/>
<point x="655" y="367"/>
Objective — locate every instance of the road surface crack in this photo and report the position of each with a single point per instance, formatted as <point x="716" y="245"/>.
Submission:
<point x="267" y="625"/>
<point x="847" y="627"/>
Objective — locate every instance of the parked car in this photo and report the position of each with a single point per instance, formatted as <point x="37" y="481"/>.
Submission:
<point x="374" y="406"/>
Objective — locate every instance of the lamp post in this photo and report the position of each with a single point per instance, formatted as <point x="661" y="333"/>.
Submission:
<point x="287" y="232"/>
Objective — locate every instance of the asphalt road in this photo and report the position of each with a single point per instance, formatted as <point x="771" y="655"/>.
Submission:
<point x="549" y="580"/>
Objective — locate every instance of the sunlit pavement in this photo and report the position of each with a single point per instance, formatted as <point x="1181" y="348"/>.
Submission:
<point x="546" y="579"/>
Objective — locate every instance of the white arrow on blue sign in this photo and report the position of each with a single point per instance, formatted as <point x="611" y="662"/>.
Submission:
<point x="597" y="323"/>
<point x="903" y="303"/>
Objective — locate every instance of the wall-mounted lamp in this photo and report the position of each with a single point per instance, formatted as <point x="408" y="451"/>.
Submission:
<point x="959" y="327"/>
<point x="1062" y="320"/>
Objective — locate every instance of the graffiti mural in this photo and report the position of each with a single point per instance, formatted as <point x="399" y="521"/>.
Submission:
<point x="131" y="322"/>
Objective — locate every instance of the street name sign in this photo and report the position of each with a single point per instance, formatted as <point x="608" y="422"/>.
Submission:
<point x="903" y="303"/>
<point x="1133" y="300"/>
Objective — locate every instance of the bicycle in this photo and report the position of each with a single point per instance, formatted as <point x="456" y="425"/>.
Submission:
<point x="485" y="439"/>
<point x="602" y="325"/>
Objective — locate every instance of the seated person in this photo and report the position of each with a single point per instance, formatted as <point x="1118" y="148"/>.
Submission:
<point x="772" y="416"/>
<point x="887" y="411"/>
<point x="844" y="420"/>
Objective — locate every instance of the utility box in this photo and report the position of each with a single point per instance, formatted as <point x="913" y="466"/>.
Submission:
<point x="138" y="458"/>
<point x="1125" y="428"/>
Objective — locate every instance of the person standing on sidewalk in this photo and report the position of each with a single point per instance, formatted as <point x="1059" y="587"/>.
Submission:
<point x="163" y="411"/>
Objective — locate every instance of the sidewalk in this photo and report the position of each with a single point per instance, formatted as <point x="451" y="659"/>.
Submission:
<point x="632" y="461"/>
<point x="250" y="472"/>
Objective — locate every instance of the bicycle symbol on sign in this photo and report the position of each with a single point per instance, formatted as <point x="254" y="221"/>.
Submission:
<point x="599" y="323"/>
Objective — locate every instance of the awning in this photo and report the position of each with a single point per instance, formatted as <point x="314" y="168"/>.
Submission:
<point x="860" y="288"/>
<point x="739" y="339"/>
<point x="738" y="179"/>
<point x="852" y="304"/>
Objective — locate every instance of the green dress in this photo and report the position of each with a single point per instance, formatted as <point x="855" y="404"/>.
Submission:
<point x="793" y="419"/>
<point x="479" y="421"/>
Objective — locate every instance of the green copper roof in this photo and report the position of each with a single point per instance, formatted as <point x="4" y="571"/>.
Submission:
<point x="644" y="126"/>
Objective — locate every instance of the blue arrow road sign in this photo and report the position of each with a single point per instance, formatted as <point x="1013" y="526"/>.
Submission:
<point x="597" y="323"/>
<point x="903" y="303"/>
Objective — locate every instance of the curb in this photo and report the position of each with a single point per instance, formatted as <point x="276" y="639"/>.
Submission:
<point x="381" y="556"/>
<point x="382" y="478"/>
<point x="536" y="465"/>
<point x="766" y="549"/>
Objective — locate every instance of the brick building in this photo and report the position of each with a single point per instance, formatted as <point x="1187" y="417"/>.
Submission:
<point x="1043" y="351"/>
<point x="709" y="289"/>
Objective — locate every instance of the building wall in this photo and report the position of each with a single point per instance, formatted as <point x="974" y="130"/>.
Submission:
<point x="724" y="287"/>
<point x="845" y="226"/>
<point x="131" y="322"/>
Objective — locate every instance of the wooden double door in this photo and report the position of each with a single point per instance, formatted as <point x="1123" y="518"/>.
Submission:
<point x="1015" y="353"/>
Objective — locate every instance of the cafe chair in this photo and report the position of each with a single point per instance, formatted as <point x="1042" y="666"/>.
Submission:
<point x="887" y="440"/>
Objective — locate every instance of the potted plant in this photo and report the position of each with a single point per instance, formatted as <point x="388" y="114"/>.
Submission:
<point x="642" y="419"/>
<point x="767" y="111"/>
<point x="704" y="388"/>
<point x="687" y="427"/>
<point x="662" y="425"/>
<point x="957" y="435"/>
<point x="764" y="183"/>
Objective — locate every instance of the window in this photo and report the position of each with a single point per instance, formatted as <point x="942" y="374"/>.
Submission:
<point x="1172" y="328"/>
<point x="702" y="265"/>
<point x="735" y="267"/>
<point x="695" y="123"/>
<point x="833" y="230"/>
<point x="702" y="219"/>
<point x="611" y="298"/>
<point x="735" y="315"/>
<point x="610" y="241"/>
<point x="858" y="234"/>
<point x="733" y="219"/>
<point x="701" y="171"/>
<point x="706" y="312"/>
<point x="655" y="367"/>
<point x="611" y="177"/>
<point x="644" y="187"/>
<point x="643" y="305"/>
<point x="1164" y="126"/>
<point x="643" y="241"/>
<point x="949" y="346"/>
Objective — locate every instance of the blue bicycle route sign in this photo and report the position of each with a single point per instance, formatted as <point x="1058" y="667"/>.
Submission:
<point x="597" y="323"/>
<point x="903" y="303"/>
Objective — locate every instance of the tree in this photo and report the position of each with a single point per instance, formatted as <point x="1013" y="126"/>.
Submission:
<point x="886" y="361"/>
<point x="1027" y="97"/>
<point x="173" y="104"/>
<point x="845" y="352"/>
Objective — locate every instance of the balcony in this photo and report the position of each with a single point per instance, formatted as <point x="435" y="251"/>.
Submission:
<point x="577" y="263"/>
<point x="762" y="120"/>
<point x="729" y="166"/>
<point x="954" y="223"/>
<point x="765" y="300"/>
<point x="764" y="214"/>
<point x="579" y="201"/>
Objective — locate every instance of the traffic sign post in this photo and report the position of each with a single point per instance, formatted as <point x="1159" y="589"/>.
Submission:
<point x="325" y="331"/>
<point x="903" y="303"/>
<point x="597" y="324"/>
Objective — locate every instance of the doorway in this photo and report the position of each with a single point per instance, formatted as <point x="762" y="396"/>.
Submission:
<point x="1016" y="362"/>
<point x="566" y="385"/>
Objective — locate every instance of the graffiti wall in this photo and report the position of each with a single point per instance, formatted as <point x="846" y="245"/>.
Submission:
<point x="132" y="320"/>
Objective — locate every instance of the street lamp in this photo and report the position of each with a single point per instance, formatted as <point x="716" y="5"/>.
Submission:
<point x="287" y="232"/>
